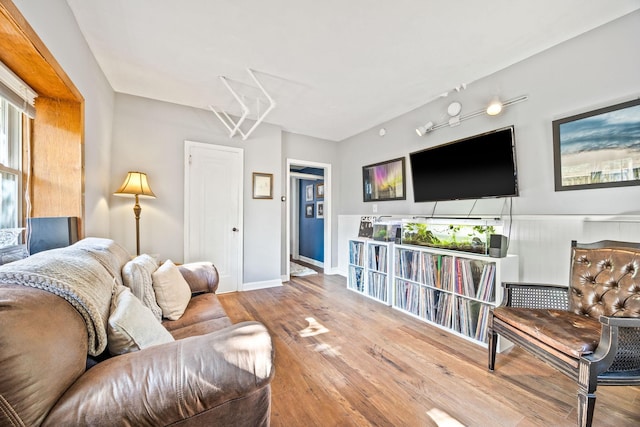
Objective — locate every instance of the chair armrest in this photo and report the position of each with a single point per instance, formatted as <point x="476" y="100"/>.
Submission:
<point x="616" y="360"/>
<point x="535" y="295"/>
<point x="188" y="379"/>
<point x="201" y="276"/>
<point x="623" y="322"/>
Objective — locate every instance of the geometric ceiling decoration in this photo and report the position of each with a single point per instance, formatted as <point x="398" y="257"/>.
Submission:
<point x="234" y="126"/>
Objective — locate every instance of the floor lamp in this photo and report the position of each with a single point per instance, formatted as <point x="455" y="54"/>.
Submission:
<point x="136" y="184"/>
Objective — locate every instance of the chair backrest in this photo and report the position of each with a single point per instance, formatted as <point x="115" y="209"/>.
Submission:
<point x="605" y="279"/>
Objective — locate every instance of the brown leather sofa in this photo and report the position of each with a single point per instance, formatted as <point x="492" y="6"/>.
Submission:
<point x="214" y="373"/>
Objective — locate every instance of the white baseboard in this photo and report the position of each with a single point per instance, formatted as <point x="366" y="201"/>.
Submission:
<point x="311" y="261"/>
<point x="336" y="270"/>
<point x="252" y="286"/>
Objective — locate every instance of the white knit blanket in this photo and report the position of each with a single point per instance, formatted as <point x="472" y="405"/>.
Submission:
<point x="76" y="275"/>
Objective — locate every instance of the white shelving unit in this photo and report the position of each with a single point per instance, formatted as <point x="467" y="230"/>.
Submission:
<point x="356" y="273"/>
<point x="449" y="289"/>
<point x="379" y="270"/>
<point x="370" y="268"/>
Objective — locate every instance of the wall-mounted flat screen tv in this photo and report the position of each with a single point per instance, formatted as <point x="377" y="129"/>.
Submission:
<point x="477" y="167"/>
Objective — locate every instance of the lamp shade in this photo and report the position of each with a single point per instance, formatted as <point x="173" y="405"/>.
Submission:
<point x="135" y="184"/>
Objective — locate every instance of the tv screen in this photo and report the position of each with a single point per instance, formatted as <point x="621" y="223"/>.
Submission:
<point x="472" y="168"/>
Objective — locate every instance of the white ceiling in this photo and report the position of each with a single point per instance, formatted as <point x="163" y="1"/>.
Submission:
<point x="334" y="67"/>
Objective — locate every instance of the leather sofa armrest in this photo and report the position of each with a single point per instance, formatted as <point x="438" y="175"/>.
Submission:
<point x="189" y="380"/>
<point x="535" y="295"/>
<point x="201" y="276"/>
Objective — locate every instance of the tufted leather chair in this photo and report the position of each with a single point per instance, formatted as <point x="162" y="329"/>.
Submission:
<point x="589" y="330"/>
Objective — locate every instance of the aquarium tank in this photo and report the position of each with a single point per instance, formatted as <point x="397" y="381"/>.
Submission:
<point x="385" y="231"/>
<point x="467" y="235"/>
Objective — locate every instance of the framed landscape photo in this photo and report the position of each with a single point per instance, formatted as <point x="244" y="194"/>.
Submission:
<point x="598" y="149"/>
<point x="384" y="181"/>
<point x="262" y="185"/>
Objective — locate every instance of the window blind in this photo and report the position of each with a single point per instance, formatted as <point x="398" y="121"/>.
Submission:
<point x="17" y="92"/>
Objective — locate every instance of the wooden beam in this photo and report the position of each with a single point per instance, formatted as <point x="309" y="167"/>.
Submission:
<point x="57" y="159"/>
<point x="26" y="55"/>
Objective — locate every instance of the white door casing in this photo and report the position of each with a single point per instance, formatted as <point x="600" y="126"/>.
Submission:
<point x="328" y="207"/>
<point x="213" y="209"/>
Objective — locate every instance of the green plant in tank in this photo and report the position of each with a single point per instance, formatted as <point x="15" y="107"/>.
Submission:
<point x="418" y="233"/>
<point x="381" y="234"/>
<point x="453" y="230"/>
<point x="452" y="236"/>
<point x="484" y="229"/>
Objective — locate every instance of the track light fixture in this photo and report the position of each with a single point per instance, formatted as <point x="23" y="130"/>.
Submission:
<point x="422" y="130"/>
<point x="495" y="107"/>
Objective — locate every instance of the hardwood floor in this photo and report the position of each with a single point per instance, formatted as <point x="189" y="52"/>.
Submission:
<point x="345" y="360"/>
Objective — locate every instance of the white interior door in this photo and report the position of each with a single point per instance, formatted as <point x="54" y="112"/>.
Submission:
<point x="213" y="209"/>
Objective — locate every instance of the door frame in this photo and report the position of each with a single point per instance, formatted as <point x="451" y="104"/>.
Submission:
<point x="328" y="209"/>
<point x="187" y="188"/>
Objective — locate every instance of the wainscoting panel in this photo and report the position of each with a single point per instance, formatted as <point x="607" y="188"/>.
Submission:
<point x="542" y="242"/>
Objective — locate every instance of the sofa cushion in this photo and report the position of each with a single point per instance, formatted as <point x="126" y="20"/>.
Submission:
<point x="136" y="275"/>
<point x="567" y="332"/>
<point x="203" y="308"/>
<point x="132" y="326"/>
<point x="172" y="290"/>
<point x="201" y="276"/>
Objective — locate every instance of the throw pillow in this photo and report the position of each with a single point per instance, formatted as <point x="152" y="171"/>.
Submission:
<point x="132" y="326"/>
<point x="172" y="290"/>
<point x="136" y="275"/>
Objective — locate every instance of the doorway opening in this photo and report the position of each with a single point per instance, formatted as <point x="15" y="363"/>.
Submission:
<point x="321" y="203"/>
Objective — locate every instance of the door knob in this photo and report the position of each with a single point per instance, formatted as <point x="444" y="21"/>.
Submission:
<point x="235" y="229"/>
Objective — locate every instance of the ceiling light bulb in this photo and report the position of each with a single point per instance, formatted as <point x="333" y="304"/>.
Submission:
<point x="495" y="107"/>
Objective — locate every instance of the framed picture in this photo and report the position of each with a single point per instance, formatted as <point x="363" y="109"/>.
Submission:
<point x="384" y="181"/>
<point x="319" y="210"/>
<point x="320" y="190"/>
<point x="308" y="211"/>
<point x="598" y="149"/>
<point x="262" y="185"/>
<point x="308" y="193"/>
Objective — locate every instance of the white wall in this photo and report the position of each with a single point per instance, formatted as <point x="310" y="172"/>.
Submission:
<point x="149" y="136"/>
<point x="54" y="23"/>
<point x="597" y="69"/>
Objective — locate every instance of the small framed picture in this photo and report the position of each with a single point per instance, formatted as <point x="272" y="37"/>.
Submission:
<point x="319" y="210"/>
<point x="308" y="193"/>
<point x="262" y="185"/>
<point x="308" y="211"/>
<point x="320" y="190"/>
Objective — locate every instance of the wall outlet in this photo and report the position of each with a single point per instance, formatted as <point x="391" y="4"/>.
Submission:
<point x="375" y="208"/>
